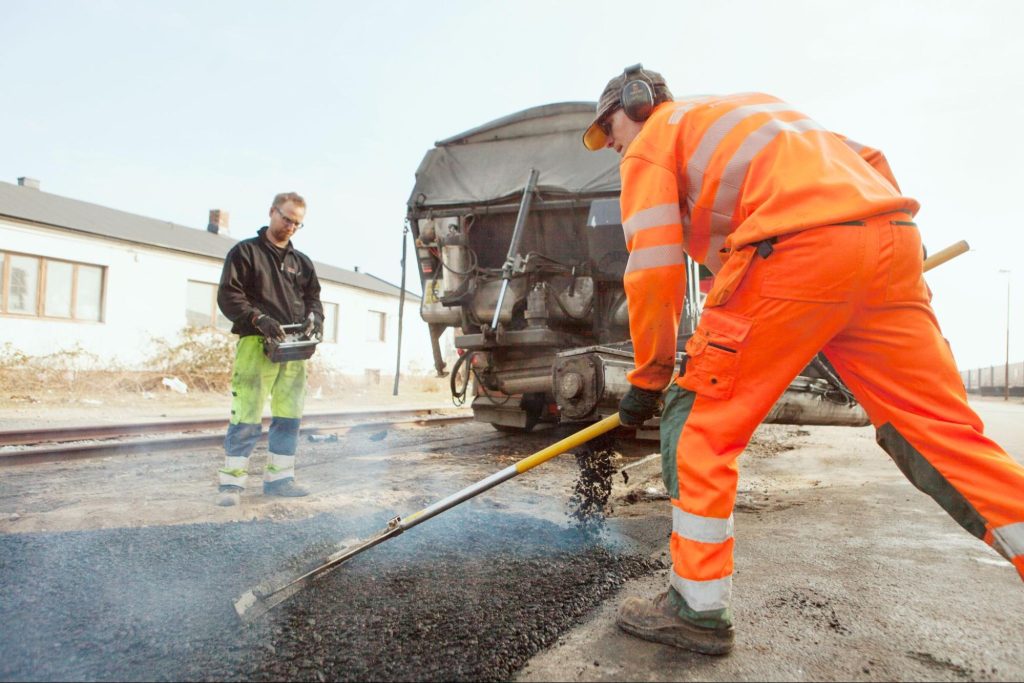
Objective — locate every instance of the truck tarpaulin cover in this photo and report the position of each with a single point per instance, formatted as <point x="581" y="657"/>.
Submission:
<point x="491" y="163"/>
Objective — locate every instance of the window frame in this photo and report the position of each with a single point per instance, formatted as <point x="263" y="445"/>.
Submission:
<point x="214" y="311"/>
<point x="382" y="333"/>
<point x="337" y="314"/>
<point x="40" y="308"/>
<point x="45" y="271"/>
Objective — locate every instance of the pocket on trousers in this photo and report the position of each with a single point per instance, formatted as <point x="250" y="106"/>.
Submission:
<point x="906" y="275"/>
<point x="713" y="354"/>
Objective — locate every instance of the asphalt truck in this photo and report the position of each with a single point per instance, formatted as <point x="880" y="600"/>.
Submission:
<point x="520" y="249"/>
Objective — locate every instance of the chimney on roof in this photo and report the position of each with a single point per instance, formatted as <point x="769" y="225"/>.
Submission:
<point x="355" y="269"/>
<point x="25" y="181"/>
<point x="218" y="223"/>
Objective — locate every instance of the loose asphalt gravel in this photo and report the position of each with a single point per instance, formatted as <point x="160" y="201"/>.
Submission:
<point x="471" y="595"/>
<point x="593" y="486"/>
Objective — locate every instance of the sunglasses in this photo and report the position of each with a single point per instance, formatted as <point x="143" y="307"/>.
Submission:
<point x="294" y="223"/>
<point x="605" y="124"/>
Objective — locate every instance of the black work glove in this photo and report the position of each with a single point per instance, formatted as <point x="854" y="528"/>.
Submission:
<point x="314" y="326"/>
<point x="270" y="328"/>
<point x="638" y="406"/>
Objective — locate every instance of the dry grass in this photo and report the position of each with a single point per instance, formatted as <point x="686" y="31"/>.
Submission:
<point x="68" y="375"/>
<point x="202" y="358"/>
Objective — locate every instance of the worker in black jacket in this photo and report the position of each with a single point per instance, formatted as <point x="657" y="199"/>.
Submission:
<point x="266" y="283"/>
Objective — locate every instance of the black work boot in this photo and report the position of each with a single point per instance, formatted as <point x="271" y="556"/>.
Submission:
<point x="229" y="496"/>
<point x="286" y="488"/>
<point x="659" y="620"/>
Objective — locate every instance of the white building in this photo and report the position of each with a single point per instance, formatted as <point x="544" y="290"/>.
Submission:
<point x="75" y="273"/>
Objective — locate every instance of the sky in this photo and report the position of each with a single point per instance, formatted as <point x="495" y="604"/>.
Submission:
<point x="174" y="108"/>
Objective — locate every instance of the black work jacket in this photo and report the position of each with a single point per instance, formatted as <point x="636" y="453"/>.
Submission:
<point x="256" y="280"/>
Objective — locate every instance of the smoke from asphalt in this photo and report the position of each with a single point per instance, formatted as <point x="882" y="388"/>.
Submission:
<point x="469" y="596"/>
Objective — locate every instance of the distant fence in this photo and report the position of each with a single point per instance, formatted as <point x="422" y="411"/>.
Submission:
<point x="991" y="381"/>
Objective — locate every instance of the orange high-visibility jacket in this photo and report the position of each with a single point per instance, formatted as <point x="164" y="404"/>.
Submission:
<point x="710" y="175"/>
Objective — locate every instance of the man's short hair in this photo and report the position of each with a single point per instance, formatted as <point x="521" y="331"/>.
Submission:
<point x="293" y="197"/>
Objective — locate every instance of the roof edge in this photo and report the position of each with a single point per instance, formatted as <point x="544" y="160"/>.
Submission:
<point x="227" y="243"/>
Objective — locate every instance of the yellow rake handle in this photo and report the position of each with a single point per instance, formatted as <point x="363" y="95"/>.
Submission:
<point x="584" y="435"/>
<point x="950" y="252"/>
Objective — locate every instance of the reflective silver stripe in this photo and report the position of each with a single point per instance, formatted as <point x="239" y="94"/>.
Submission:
<point x="703" y="596"/>
<point x="701" y="529"/>
<point x="855" y="146"/>
<point x="662" y="214"/>
<point x="235" y="462"/>
<point x="1011" y="536"/>
<point x="735" y="171"/>
<point x="234" y="471"/>
<point x="714" y="135"/>
<point x="279" y="467"/>
<point x="680" y="111"/>
<point x="655" y="257"/>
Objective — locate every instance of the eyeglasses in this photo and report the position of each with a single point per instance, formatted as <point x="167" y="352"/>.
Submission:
<point x="294" y="223"/>
<point x="605" y="124"/>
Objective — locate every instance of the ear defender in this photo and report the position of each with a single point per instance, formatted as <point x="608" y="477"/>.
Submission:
<point x="637" y="96"/>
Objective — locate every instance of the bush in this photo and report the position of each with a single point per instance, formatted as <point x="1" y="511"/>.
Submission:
<point x="68" y="372"/>
<point x="203" y="358"/>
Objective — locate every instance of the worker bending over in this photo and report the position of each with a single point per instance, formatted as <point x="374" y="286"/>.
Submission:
<point x="267" y="283"/>
<point x="813" y="248"/>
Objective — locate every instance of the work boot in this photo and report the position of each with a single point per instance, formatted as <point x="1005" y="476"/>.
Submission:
<point x="229" y="496"/>
<point x="286" y="488"/>
<point x="659" y="620"/>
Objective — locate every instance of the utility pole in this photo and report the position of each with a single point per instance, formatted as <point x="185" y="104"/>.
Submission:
<point x="1006" y="371"/>
<point x="401" y="311"/>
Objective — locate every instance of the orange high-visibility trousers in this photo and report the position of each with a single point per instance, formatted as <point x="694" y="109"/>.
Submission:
<point x="856" y="292"/>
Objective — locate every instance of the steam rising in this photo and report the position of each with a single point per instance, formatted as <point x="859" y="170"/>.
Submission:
<point x="472" y="594"/>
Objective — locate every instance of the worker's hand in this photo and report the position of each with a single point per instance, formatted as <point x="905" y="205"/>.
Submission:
<point x="270" y="328"/>
<point x="638" y="406"/>
<point x="314" y="326"/>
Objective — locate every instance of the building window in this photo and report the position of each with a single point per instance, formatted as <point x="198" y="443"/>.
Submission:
<point x="201" y="306"/>
<point x="89" y="288"/>
<point x="59" y="283"/>
<point x="376" y="326"/>
<point x="51" y="288"/>
<point x="330" y="322"/>
<point x="22" y="284"/>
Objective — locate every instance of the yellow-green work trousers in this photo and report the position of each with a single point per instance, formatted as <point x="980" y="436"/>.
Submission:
<point x="254" y="378"/>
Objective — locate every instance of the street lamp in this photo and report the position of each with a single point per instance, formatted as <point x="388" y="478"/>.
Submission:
<point x="1006" y="374"/>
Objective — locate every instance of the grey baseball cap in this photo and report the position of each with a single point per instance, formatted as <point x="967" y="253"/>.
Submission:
<point x="611" y="99"/>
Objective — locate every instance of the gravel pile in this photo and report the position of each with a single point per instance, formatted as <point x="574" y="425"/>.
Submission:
<point x="468" y="596"/>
